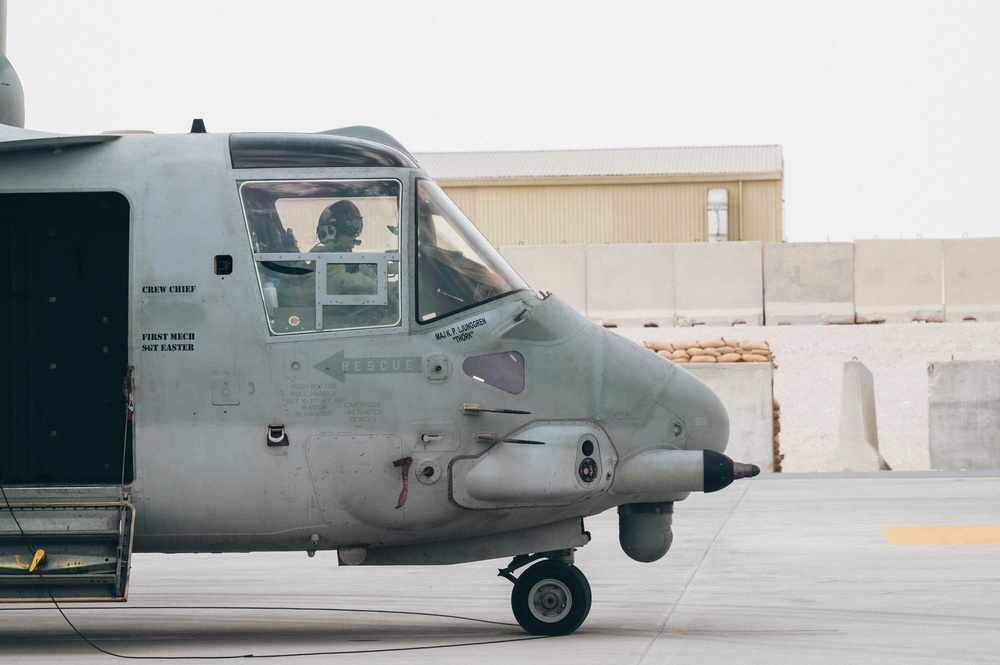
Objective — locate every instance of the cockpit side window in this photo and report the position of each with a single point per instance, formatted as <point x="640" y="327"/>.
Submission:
<point x="457" y="268"/>
<point x="326" y="251"/>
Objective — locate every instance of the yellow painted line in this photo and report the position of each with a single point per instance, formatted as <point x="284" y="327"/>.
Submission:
<point x="971" y="534"/>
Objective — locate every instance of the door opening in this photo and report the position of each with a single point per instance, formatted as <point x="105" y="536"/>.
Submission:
<point x="64" y="339"/>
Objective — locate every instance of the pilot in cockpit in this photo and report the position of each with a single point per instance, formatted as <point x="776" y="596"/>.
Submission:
<point x="338" y="229"/>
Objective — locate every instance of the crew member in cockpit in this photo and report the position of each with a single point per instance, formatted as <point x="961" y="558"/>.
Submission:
<point x="338" y="229"/>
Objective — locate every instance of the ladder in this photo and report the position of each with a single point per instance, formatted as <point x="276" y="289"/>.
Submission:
<point x="65" y="544"/>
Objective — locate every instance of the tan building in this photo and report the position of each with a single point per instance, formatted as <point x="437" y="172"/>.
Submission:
<point x="633" y="195"/>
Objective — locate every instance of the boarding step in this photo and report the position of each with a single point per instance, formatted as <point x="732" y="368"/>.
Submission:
<point x="65" y="543"/>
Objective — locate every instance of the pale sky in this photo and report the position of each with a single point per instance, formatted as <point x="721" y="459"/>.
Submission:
<point x="887" y="111"/>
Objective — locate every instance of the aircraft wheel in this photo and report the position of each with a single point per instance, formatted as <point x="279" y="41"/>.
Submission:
<point x="551" y="598"/>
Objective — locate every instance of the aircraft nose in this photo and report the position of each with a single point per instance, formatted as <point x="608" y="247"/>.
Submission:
<point x="703" y="415"/>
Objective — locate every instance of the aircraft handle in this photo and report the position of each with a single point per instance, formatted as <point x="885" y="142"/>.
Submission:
<point x="469" y="409"/>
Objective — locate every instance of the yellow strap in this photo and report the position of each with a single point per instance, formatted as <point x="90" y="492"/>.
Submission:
<point x="39" y="559"/>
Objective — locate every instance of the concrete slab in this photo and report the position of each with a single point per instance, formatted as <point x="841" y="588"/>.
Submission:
<point x="631" y="285"/>
<point x="857" y="449"/>
<point x="808" y="283"/>
<point x="719" y="283"/>
<point x="964" y="414"/>
<point x="898" y="281"/>
<point x="784" y="569"/>
<point x="560" y="269"/>
<point x="971" y="279"/>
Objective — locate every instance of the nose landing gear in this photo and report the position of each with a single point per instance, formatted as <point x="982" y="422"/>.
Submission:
<point x="550" y="598"/>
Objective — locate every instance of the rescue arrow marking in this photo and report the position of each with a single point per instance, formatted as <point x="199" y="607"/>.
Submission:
<point x="338" y="366"/>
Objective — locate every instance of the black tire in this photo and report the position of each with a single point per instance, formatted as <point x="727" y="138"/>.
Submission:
<point x="551" y="598"/>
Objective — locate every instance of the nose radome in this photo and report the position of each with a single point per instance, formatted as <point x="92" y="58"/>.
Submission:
<point x="704" y="414"/>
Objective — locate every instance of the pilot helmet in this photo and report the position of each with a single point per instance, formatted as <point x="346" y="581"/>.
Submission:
<point x="339" y="218"/>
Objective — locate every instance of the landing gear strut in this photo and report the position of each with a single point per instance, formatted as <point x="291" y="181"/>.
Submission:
<point x="550" y="598"/>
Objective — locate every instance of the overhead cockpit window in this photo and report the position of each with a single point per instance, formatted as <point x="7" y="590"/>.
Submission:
<point x="327" y="252"/>
<point x="500" y="370"/>
<point x="457" y="268"/>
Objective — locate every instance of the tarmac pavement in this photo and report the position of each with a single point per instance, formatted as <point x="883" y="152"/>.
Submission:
<point x="779" y="569"/>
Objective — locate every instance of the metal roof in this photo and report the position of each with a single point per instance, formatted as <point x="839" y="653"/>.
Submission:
<point x="603" y="162"/>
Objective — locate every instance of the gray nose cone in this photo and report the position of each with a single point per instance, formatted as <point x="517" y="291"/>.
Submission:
<point x="703" y="413"/>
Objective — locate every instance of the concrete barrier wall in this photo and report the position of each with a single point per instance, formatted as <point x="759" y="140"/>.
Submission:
<point x="857" y="449"/>
<point x="561" y="269"/>
<point x="746" y="391"/>
<point x="898" y="281"/>
<point x="972" y="279"/>
<point x="719" y="283"/>
<point x="964" y="414"/>
<point x="808" y="283"/>
<point x="631" y="285"/>
<point x="733" y="283"/>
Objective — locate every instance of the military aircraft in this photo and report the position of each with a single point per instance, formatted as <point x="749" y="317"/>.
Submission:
<point x="276" y="342"/>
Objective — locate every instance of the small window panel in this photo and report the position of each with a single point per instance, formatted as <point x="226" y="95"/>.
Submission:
<point x="500" y="370"/>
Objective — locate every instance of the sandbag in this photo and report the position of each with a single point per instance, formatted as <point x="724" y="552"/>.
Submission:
<point x="713" y="350"/>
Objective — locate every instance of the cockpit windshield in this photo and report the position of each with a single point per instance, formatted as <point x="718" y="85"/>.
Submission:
<point x="457" y="268"/>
